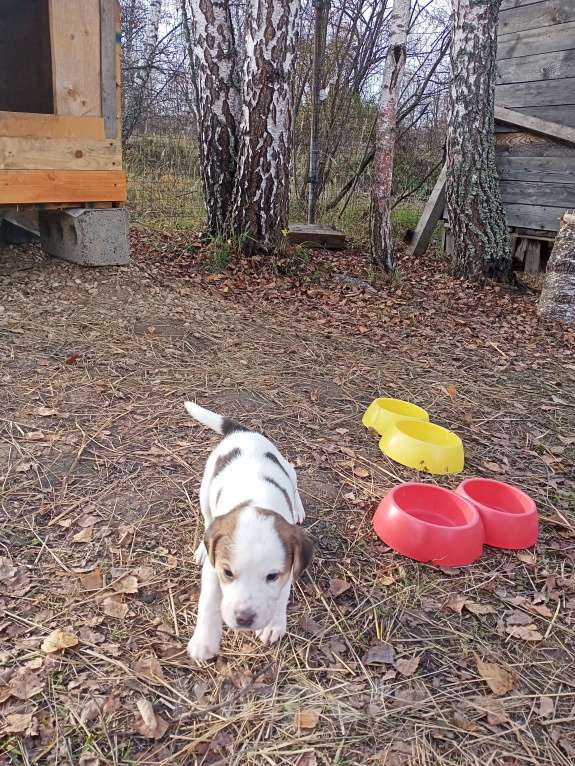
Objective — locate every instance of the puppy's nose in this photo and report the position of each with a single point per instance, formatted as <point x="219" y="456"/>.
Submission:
<point x="245" y="618"/>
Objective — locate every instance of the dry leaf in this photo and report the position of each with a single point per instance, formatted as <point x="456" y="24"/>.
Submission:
<point x="517" y="617"/>
<point x="57" y="640"/>
<point x="113" y="607"/>
<point x="46" y="412"/>
<point x="307" y="759"/>
<point x="84" y="536"/>
<point x="380" y="653"/>
<point x="499" y="680"/>
<point x="542" y="610"/>
<point x="25" y="684"/>
<point x="88" y="759"/>
<point x="20" y="723"/>
<point x="452" y="390"/>
<point x="525" y="632"/>
<point x="88" y="520"/>
<point x="360" y="472"/>
<point x="148" y="666"/>
<point x="527" y="557"/>
<point x="6" y="569"/>
<point x="492" y="707"/>
<point x="337" y="587"/>
<point x="307" y="718"/>
<point x="150" y="725"/>
<point x="128" y="584"/>
<point x="92" y="580"/>
<point x="479" y="609"/>
<point x="457" y="603"/>
<point x="494" y="467"/>
<point x="546" y="707"/>
<point x="22" y="466"/>
<point x="407" y="667"/>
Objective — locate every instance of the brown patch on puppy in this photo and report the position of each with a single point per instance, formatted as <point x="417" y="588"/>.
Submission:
<point x="298" y="544"/>
<point x="219" y="535"/>
<point x="224" y="460"/>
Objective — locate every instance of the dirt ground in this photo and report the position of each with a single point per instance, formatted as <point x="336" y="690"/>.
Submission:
<point x="386" y="661"/>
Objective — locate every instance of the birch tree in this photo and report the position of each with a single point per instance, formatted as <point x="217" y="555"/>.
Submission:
<point x="262" y="182"/>
<point x="386" y="130"/>
<point x="558" y="295"/>
<point x="212" y="53"/>
<point x="475" y="210"/>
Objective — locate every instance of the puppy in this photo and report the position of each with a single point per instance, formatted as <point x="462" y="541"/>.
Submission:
<point x="252" y="550"/>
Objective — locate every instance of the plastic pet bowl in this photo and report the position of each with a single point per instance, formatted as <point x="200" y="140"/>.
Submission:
<point x="509" y="515"/>
<point x="429" y="523"/>
<point x="423" y="446"/>
<point x="382" y="413"/>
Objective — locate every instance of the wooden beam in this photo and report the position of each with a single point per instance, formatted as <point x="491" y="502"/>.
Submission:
<point x="34" y="186"/>
<point x="316" y="235"/>
<point x="543" y="92"/>
<point x="535" y="124"/>
<point x="546" y="40"/>
<point x="20" y="124"/>
<point x="108" y="65"/>
<point x="75" y="37"/>
<point x="536" y="67"/>
<point x="546" y="13"/>
<point x="430" y="216"/>
<point x="532" y="256"/>
<point x="59" y="154"/>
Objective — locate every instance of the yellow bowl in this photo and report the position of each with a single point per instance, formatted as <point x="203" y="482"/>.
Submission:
<point x="423" y="446"/>
<point x="383" y="413"/>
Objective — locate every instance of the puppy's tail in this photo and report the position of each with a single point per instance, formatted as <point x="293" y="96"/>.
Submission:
<point x="217" y="423"/>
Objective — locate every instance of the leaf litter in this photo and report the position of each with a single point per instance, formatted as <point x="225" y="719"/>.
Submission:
<point x="383" y="660"/>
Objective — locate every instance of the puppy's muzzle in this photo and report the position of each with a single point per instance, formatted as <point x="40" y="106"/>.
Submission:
<point x="245" y="618"/>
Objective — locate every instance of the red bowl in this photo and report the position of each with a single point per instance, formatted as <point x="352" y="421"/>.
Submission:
<point x="429" y="523"/>
<point x="509" y="515"/>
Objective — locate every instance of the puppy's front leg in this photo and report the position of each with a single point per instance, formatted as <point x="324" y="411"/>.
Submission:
<point x="205" y="643"/>
<point x="277" y="626"/>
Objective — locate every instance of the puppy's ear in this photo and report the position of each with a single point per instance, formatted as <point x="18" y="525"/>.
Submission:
<point x="303" y="547"/>
<point x="212" y="536"/>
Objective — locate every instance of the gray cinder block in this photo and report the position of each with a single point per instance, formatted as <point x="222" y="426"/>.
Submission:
<point x="85" y="236"/>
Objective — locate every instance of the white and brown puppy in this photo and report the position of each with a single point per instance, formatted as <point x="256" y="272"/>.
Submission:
<point x="252" y="549"/>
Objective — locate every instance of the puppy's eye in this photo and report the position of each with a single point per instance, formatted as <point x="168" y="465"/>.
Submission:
<point x="272" y="577"/>
<point x="229" y="574"/>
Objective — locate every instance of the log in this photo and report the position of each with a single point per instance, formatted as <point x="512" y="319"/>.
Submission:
<point x="316" y="235"/>
<point x="557" y="299"/>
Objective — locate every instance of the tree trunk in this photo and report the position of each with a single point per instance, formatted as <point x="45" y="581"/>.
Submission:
<point x="386" y="129"/>
<point x="558" y="295"/>
<point x="212" y="54"/>
<point x="320" y="30"/>
<point x="475" y="210"/>
<point x="262" y="185"/>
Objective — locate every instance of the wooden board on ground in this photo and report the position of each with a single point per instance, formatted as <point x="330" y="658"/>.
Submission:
<point x="316" y="235"/>
<point x="35" y="186"/>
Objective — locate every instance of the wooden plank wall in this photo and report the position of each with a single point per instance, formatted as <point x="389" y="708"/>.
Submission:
<point x="536" y="75"/>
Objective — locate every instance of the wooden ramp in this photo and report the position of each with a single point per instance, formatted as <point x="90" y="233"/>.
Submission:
<point x="316" y="235"/>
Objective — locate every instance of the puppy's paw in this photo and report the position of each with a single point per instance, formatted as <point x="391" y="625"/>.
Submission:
<point x="201" y="554"/>
<point x="272" y="633"/>
<point x="298" y="511"/>
<point x="201" y="648"/>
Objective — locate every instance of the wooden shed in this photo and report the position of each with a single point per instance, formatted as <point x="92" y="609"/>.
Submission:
<point x="535" y="125"/>
<point x="60" y="123"/>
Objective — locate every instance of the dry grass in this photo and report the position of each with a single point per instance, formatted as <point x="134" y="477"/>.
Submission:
<point x="95" y="365"/>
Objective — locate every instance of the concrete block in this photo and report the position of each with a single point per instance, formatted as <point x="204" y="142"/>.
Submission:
<point x="87" y="237"/>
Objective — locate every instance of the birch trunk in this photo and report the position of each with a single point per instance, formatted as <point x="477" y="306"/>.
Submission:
<point x="386" y="130"/>
<point x="212" y="53"/>
<point x="558" y="295"/>
<point x="262" y="184"/>
<point x="475" y="210"/>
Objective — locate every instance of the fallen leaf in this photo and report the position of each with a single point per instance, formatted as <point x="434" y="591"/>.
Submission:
<point x="84" y="536"/>
<point x="57" y="640"/>
<point x="72" y="359"/>
<point x="307" y="759"/>
<point x="128" y="584"/>
<point x="517" y="617"/>
<point x="113" y="607"/>
<point x="380" y="653"/>
<point x="88" y="759"/>
<point x="407" y="667"/>
<point x="23" y="466"/>
<point x="35" y="663"/>
<point x="452" y="390"/>
<point x="456" y="604"/>
<point x="25" y="684"/>
<point x="46" y="412"/>
<point x="92" y="580"/>
<point x="88" y="520"/>
<point x="527" y="558"/>
<point x="6" y="569"/>
<point x="479" y="609"/>
<point x="494" y="467"/>
<point x="499" y="680"/>
<point x="464" y="723"/>
<point x="525" y="632"/>
<point x="20" y="723"/>
<point x="492" y="707"/>
<point x="542" y="610"/>
<point x="337" y="587"/>
<point x="546" y="707"/>
<point x="151" y="725"/>
<point x="148" y="666"/>
<point x="360" y="472"/>
<point x="307" y="718"/>
<point x="310" y="626"/>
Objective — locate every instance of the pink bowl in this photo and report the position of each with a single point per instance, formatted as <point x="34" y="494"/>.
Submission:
<point x="429" y="523"/>
<point x="509" y="515"/>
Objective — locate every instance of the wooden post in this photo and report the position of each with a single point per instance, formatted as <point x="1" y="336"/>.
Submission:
<point x="320" y="29"/>
<point x="430" y="216"/>
<point x="558" y="295"/>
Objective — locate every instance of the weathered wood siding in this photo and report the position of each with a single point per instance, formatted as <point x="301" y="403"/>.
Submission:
<point x="536" y="75"/>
